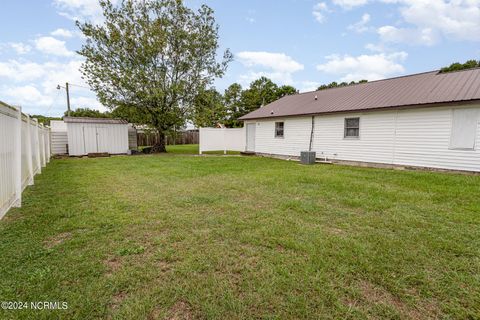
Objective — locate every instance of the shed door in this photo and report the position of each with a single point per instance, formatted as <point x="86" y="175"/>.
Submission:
<point x="251" y="137"/>
<point x="90" y="139"/>
<point x="102" y="139"/>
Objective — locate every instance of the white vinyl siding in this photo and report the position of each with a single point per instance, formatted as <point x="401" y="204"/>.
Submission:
<point x="411" y="137"/>
<point x="464" y="127"/>
<point x="295" y="139"/>
<point x="375" y="145"/>
<point x="423" y="139"/>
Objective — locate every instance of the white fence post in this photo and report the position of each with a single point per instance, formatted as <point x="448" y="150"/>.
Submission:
<point x="224" y="140"/>
<point x="49" y="141"/>
<point x="37" y="149"/>
<point x="29" y="152"/>
<point x="17" y="166"/>
<point x="200" y="144"/>
<point x="42" y="144"/>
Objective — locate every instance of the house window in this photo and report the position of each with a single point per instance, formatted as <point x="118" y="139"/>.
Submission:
<point x="352" y="128"/>
<point x="464" y="129"/>
<point x="279" y="129"/>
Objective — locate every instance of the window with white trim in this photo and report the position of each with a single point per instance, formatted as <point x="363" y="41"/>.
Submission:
<point x="352" y="128"/>
<point x="279" y="129"/>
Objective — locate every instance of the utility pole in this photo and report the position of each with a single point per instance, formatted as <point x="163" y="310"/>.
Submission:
<point x="67" y="85"/>
<point x="68" y="99"/>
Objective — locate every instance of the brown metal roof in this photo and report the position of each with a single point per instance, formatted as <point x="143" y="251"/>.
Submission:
<point x="407" y="91"/>
<point x="93" y="120"/>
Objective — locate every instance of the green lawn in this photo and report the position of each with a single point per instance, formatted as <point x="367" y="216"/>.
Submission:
<point x="193" y="149"/>
<point x="184" y="237"/>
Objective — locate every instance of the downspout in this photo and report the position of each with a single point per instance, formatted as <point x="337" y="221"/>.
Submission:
<point x="311" y="134"/>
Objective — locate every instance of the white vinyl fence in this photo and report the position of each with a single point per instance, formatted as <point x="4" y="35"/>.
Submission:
<point x="222" y="139"/>
<point x="24" y="150"/>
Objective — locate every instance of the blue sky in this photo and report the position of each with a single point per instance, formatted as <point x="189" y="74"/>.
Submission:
<point x="298" y="42"/>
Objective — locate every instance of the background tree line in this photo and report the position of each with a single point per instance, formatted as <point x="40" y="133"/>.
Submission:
<point x="210" y="108"/>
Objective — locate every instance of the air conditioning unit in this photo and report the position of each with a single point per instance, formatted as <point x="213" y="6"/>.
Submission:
<point x="307" y="157"/>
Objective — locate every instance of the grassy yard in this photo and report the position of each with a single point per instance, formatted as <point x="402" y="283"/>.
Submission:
<point x="186" y="237"/>
<point x="193" y="149"/>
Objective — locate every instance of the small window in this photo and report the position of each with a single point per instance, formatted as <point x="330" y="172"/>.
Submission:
<point x="279" y="129"/>
<point x="352" y="128"/>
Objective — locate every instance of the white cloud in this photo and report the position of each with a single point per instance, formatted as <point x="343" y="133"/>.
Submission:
<point x="251" y="16"/>
<point x="430" y="20"/>
<point x="20" y="48"/>
<point x="425" y="36"/>
<point x="34" y="86"/>
<point x="276" y="61"/>
<point x="277" y="66"/>
<point x="319" y="11"/>
<point x="362" y="25"/>
<point x="80" y="9"/>
<point x="349" y="4"/>
<point x="306" y="86"/>
<point x="376" y="47"/>
<point x="62" y="33"/>
<point x="369" y="67"/>
<point x="52" y="46"/>
<point x="459" y="19"/>
<point x="26" y="95"/>
<point x="87" y="102"/>
<point x="21" y="71"/>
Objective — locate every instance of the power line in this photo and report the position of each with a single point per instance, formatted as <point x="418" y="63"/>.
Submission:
<point x="77" y="85"/>
<point x="54" y="102"/>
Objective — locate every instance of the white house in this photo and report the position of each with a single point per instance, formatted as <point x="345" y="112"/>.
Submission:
<point x="79" y="136"/>
<point x="426" y="120"/>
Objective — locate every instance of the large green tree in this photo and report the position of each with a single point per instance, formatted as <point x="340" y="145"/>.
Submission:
<point x="262" y="92"/>
<point x="208" y="109"/>
<point x="87" y="112"/>
<point x="151" y="58"/>
<point x="232" y="98"/>
<point x="469" y="64"/>
<point x="341" y="84"/>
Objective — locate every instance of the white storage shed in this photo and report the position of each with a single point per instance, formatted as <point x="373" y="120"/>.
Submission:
<point x="96" y="135"/>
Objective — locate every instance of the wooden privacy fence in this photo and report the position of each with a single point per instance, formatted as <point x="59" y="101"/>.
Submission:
<point x="24" y="150"/>
<point x="185" y="137"/>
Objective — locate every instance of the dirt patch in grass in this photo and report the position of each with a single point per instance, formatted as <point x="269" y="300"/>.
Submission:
<point x="373" y="295"/>
<point x="335" y="231"/>
<point x="58" y="239"/>
<point x="163" y="266"/>
<point x="180" y="311"/>
<point x="117" y="300"/>
<point x="113" y="265"/>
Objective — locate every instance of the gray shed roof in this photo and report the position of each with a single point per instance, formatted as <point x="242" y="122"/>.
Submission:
<point x="407" y="91"/>
<point x="93" y="120"/>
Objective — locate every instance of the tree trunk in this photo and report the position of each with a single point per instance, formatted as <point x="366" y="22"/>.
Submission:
<point x="159" y="146"/>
